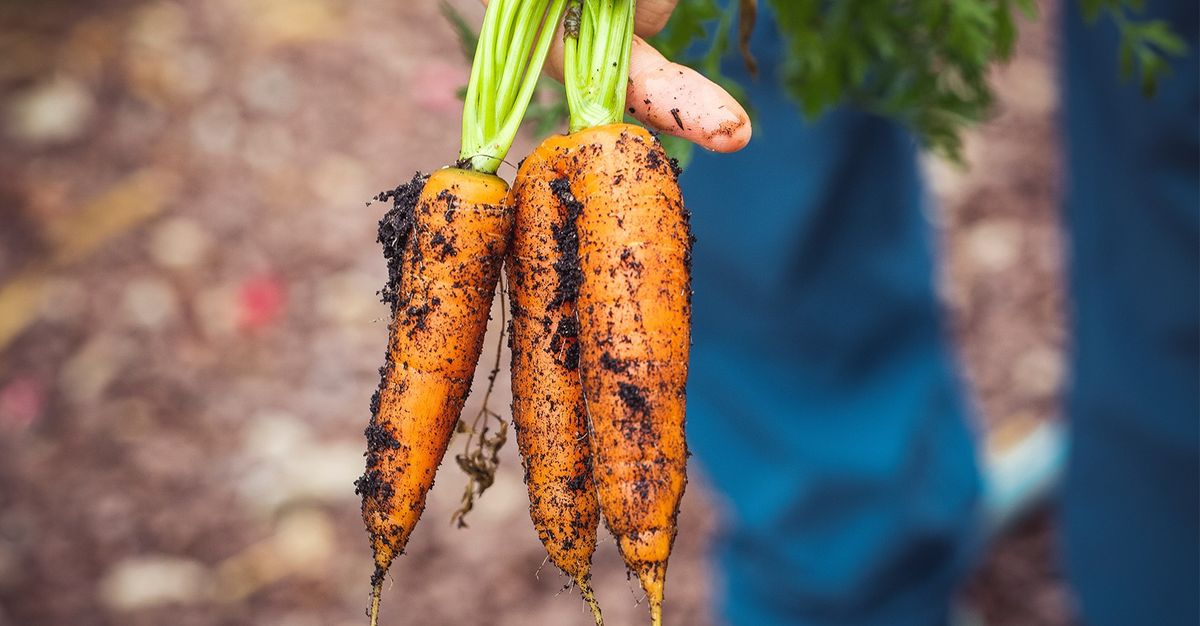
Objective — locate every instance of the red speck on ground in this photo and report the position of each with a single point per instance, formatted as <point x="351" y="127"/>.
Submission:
<point x="261" y="302"/>
<point x="22" y="402"/>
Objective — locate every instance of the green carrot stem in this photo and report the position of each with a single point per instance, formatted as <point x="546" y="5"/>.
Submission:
<point x="596" y="62"/>
<point x="512" y="48"/>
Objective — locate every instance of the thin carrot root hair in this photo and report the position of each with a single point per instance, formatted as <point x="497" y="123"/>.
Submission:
<point x="481" y="452"/>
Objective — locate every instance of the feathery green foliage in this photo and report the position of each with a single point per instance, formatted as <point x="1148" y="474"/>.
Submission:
<point x="922" y="62"/>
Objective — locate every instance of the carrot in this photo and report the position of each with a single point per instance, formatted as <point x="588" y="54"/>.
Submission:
<point x="634" y="303"/>
<point x="445" y="240"/>
<point x="635" y="320"/>
<point x="547" y="407"/>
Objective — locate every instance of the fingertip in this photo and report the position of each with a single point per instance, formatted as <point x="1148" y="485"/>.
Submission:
<point x="729" y="136"/>
<point x="679" y="101"/>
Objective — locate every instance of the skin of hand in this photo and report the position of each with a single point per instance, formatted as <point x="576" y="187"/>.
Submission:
<point x="673" y="98"/>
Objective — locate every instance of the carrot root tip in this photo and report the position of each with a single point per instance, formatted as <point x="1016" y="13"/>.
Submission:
<point x="376" y="593"/>
<point x="653" y="579"/>
<point x="589" y="596"/>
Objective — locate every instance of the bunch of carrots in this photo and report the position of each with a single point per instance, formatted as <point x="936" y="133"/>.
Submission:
<point x="594" y="241"/>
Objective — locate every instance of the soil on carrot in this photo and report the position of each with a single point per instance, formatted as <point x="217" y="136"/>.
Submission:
<point x="394" y="233"/>
<point x="566" y="332"/>
<point x="566" y="243"/>
<point x="634" y="398"/>
<point x="394" y="229"/>
<point x="215" y="350"/>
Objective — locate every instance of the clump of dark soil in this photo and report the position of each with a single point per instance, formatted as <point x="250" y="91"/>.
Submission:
<point x="566" y="331"/>
<point x="566" y="242"/>
<point x="371" y="485"/>
<point x="380" y="438"/>
<point x="633" y="397"/>
<point x="613" y="364"/>
<point x="395" y="228"/>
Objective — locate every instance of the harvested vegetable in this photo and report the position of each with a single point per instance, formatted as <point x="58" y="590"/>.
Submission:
<point x="445" y="240"/>
<point x="635" y="328"/>
<point x="634" y="304"/>
<point x="548" y="408"/>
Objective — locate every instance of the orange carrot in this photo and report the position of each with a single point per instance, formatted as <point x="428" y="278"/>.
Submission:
<point x="634" y="304"/>
<point x="634" y="310"/>
<point x="445" y="239"/>
<point x="548" y="409"/>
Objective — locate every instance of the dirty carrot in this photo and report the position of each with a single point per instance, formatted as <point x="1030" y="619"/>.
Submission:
<point x="547" y="407"/>
<point x="634" y="301"/>
<point x="635" y="319"/>
<point x="445" y="239"/>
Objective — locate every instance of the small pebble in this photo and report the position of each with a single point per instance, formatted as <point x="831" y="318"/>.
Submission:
<point x="349" y="298"/>
<point x="179" y="243"/>
<point x="994" y="245"/>
<point x="305" y="539"/>
<point x="64" y="300"/>
<point x="1039" y="372"/>
<point x="340" y="181"/>
<point x="216" y="127"/>
<point x="53" y="112"/>
<point x="269" y="88"/>
<point x="268" y="147"/>
<point x="150" y="302"/>
<point x="154" y="580"/>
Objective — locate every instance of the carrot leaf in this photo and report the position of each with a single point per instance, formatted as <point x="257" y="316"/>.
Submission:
<point x="924" y="63"/>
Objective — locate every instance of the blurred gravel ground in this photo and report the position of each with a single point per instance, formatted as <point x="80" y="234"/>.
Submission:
<point x="189" y="332"/>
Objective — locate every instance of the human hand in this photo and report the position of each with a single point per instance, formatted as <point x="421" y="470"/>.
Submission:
<point x="669" y="97"/>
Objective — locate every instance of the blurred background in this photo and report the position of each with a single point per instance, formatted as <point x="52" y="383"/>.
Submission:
<point x="190" y="332"/>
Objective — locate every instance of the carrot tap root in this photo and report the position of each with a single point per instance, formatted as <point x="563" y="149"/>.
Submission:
<point x="444" y="246"/>
<point x="376" y="594"/>
<point x="548" y="410"/>
<point x="589" y="596"/>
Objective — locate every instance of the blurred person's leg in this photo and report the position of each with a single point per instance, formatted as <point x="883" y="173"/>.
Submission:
<point x="1132" y="531"/>
<point x="823" y="404"/>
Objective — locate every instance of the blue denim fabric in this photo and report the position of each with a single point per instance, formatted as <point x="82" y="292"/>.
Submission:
<point x="1131" y="501"/>
<point x="823" y="402"/>
<point x="824" y="407"/>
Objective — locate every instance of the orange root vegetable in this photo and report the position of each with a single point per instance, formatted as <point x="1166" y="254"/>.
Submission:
<point x="548" y="409"/>
<point x="445" y="241"/>
<point x="634" y="305"/>
<point x="634" y="310"/>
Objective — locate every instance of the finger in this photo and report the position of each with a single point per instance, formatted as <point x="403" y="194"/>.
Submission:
<point x="680" y="101"/>
<point x="652" y="16"/>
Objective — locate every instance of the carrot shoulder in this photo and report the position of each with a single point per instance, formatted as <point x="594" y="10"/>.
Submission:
<point x="445" y="250"/>
<point x="548" y="409"/>
<point x="634" y="311"/>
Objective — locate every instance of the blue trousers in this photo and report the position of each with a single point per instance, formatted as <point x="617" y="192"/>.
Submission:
<point x="824" y="405"/>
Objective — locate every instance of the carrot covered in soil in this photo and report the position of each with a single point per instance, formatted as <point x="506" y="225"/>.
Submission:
<point x="634" y="298"/>
<point x="635" y="319"/>
<point x="547" y="407"/>
<point x="445" y="239"/>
